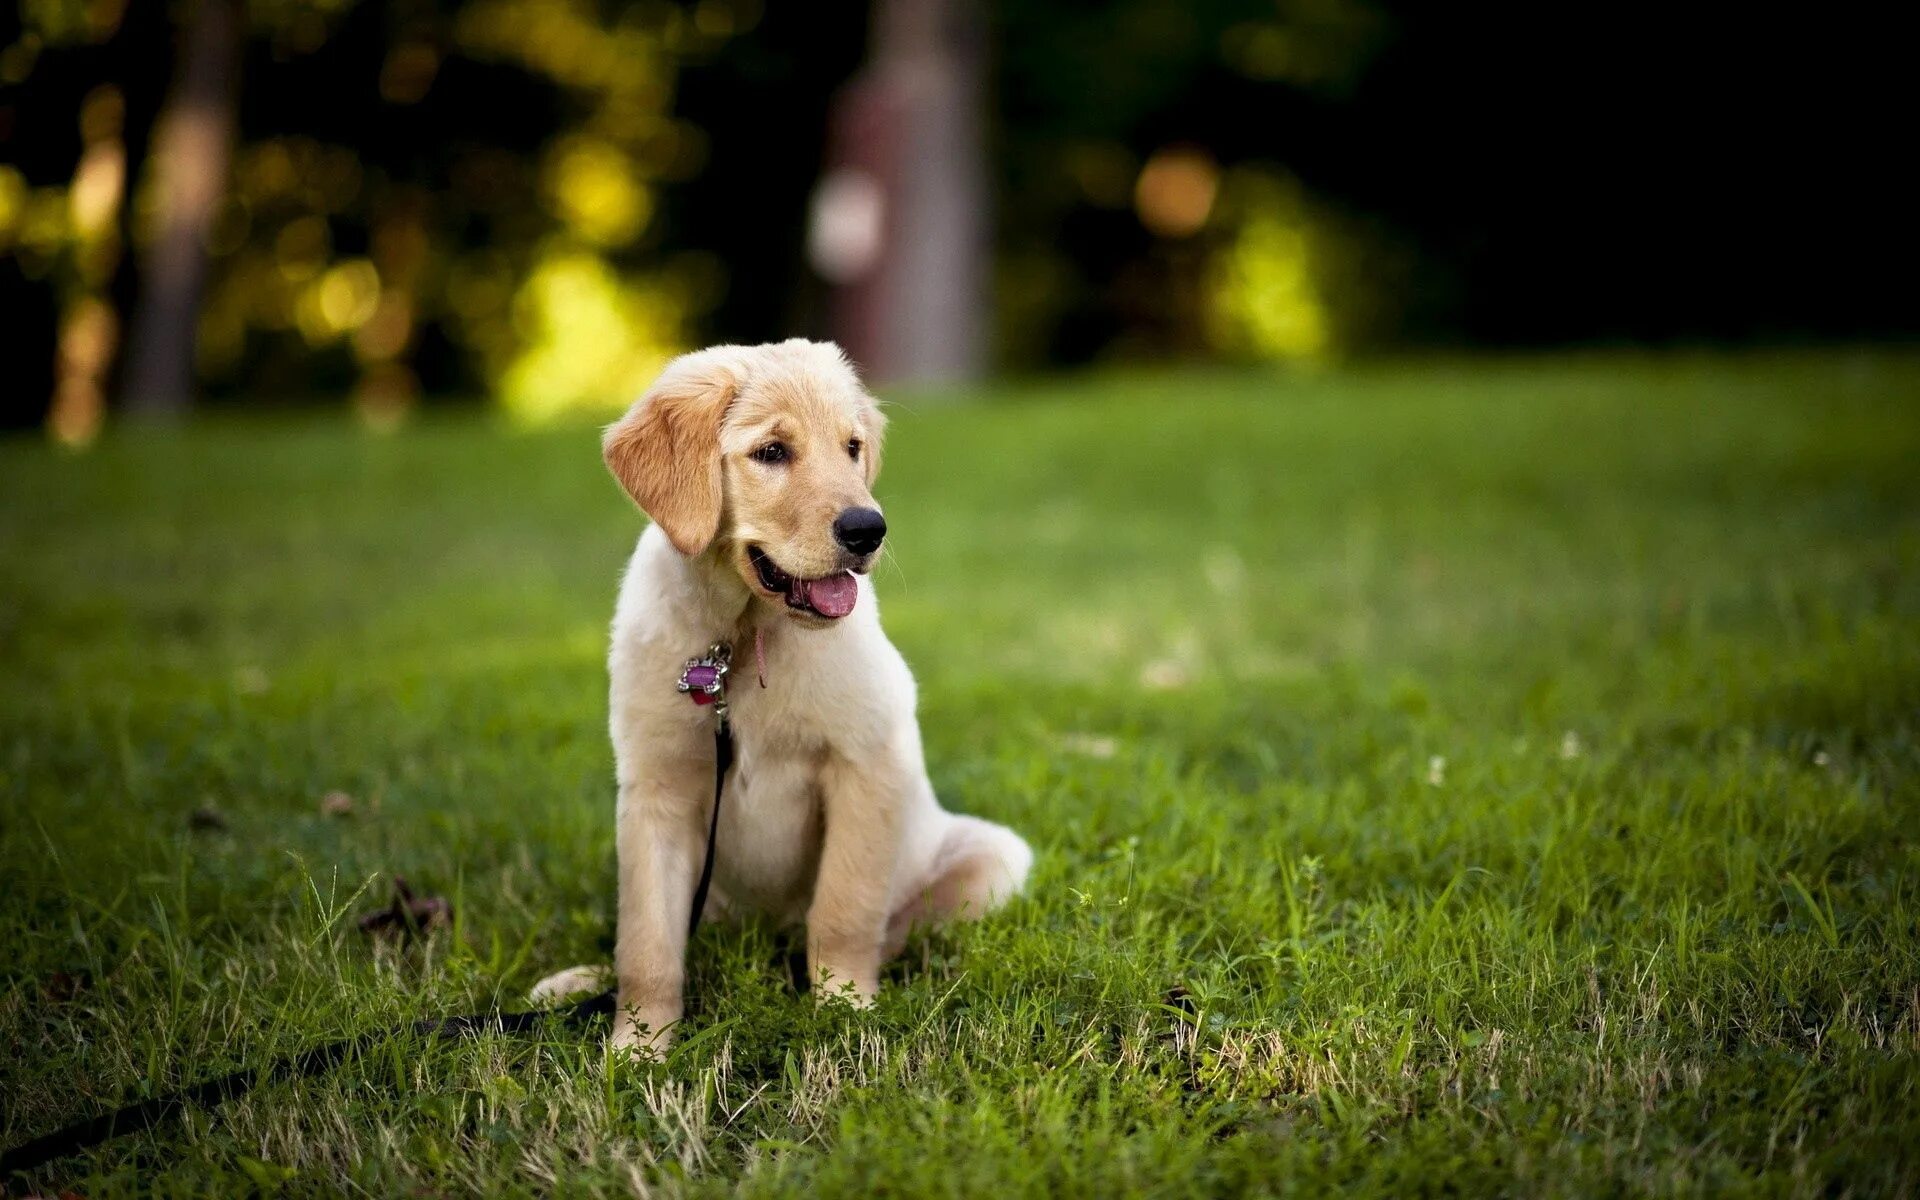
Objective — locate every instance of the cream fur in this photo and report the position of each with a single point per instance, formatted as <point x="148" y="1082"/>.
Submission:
<point x="828" y="819"/>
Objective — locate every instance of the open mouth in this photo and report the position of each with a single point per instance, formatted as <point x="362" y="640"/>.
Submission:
<point x="830" y="596"/>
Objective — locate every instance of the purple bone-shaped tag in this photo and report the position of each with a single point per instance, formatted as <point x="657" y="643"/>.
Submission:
<point x="705" y="679"/>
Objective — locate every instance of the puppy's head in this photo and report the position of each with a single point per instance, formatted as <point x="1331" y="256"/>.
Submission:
<point x="768" y="454"/>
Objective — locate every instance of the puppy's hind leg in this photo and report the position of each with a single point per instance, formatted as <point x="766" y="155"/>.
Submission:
<point x="980" y="866"/>
<point x="570" y="984"/>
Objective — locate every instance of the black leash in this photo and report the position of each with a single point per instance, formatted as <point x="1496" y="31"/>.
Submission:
<point x="722" y="759"/>
<point x="134" y="1118"/>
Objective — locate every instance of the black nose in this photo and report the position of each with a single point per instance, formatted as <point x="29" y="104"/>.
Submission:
<point x="860" y="529"/>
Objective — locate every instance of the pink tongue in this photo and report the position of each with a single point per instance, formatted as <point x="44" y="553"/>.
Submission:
<point x="832" y="596"/>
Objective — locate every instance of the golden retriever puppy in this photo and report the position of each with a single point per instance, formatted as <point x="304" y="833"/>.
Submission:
<point x="755" y="464"/>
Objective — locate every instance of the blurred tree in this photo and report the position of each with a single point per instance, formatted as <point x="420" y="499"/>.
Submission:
<point x="192" y="146"/>
<point x="899" y="223"/>
<point x="64" y="188"/>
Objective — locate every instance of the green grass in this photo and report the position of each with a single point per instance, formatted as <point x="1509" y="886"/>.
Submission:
<point x="1516" y="764"/>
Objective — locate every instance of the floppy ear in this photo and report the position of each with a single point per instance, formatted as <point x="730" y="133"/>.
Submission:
<point x="875" y="434"/>
<point x="666" y="450"/>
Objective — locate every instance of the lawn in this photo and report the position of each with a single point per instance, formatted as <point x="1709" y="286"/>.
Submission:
<point x="1466" y="777"/>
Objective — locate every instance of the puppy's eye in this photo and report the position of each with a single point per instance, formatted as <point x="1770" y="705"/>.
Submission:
<point x="853" y="447"/>
<point x="772" y="452"/>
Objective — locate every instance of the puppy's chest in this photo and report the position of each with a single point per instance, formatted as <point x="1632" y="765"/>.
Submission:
<point x="776" y="759"/>
<point x="772" y="820"/>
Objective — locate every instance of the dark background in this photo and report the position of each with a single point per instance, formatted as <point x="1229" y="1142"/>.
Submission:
<point x="1517" y="175"/>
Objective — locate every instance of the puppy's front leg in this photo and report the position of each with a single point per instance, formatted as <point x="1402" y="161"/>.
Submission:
<point x="661" y="842"/>
<point x="852" y="895"/>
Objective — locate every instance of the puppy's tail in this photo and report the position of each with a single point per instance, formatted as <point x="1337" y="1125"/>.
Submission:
<point x="570" y="984"/>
